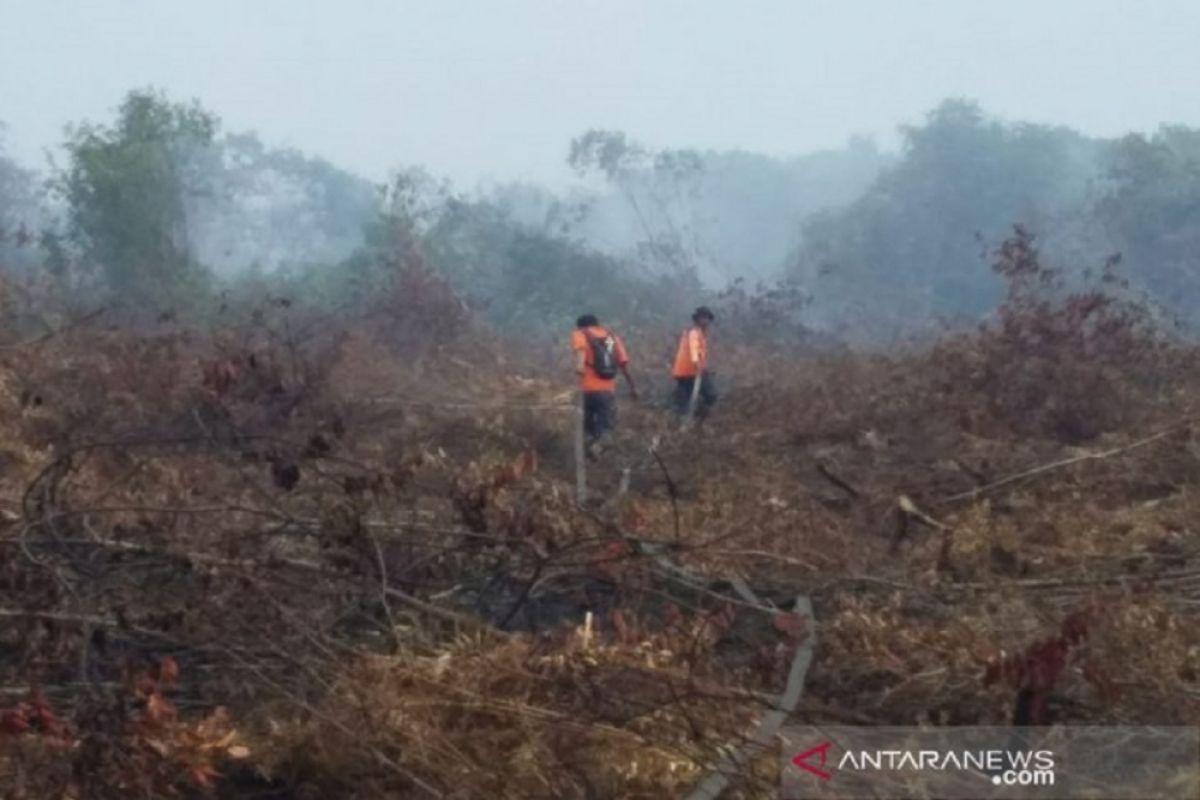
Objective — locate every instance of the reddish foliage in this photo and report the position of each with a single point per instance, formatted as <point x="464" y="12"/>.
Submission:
<point x="1035" y="671"/>
<point x="144" y="743"/>
<point x="794" y="626"/>
<point x="219" y="376"/>
<point x="1045" y="365"/>
<point x="612" y="561"/>
<point x="35" y="718"/>
<point x="473" y="492"/>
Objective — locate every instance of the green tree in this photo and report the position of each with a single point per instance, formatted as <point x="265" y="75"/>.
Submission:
<point x="908" y="251"/>
<point x="1150" y="208"/>
<point x="19" y="213"/>
<point x="529" y="279"/>
<point x="127" y="186"/>
<point x="276" y="207"/>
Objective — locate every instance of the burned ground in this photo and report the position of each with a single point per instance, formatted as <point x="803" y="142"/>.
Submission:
<point x="298" y="558"/>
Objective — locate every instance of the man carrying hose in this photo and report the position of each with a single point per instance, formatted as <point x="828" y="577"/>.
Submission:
<point x="599" y="355"/>
<point x="695" y="391"/>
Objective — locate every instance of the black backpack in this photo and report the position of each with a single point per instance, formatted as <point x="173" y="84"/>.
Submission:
<point x="604" y="354"/>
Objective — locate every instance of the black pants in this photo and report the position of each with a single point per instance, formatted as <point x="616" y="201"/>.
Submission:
<point x="599" y="414"/>
<point x="683" y="394"/>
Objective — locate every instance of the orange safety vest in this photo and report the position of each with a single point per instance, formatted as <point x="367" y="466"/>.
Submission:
<point x="591" y="382"/>
<point x="693" y="350"/>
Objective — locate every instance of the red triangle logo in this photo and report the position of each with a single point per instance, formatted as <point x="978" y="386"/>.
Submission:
<point x="822" y="751"/>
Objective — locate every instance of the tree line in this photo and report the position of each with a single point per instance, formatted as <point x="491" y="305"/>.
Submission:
<point x="157" y="207"/>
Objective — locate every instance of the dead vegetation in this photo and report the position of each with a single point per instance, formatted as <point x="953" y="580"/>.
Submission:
<point x="309" y="558"/>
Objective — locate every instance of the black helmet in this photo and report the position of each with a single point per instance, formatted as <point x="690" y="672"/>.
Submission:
<point x="703" y="312"/>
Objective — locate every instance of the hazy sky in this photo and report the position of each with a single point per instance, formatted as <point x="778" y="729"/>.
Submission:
<point x="495" y="89"/>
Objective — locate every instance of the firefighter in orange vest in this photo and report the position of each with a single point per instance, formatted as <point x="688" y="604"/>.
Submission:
<point x="599" y="356"/>
<point x="691" y="364"/>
